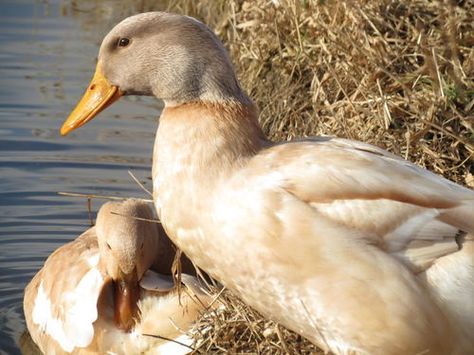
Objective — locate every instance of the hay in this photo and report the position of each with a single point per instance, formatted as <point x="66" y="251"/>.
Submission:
<point x="237" y="329"/>
<point x="397" y="74"/>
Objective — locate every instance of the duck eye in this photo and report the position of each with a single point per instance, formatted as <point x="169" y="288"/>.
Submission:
<point x="123" y="42"/>
<point x="108" y="246"/>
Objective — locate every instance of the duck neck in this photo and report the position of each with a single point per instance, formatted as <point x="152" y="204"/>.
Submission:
<point x="203" y="135"/>
<point x="202" y="142"/>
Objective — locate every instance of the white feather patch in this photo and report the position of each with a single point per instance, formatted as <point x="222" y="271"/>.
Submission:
<point x="421" y="254"/>
<point x="43" y="317"/>
<point x="174" y="348"/>
<point x="82" y="312"/>
<point x="153" y="281"/>
<point x="75" y="329"/>
<point x="422" y="226"/>
<point x="93" y="260"/>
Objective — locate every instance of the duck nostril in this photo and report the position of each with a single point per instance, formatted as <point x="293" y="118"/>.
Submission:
<point x="92" y="87"/>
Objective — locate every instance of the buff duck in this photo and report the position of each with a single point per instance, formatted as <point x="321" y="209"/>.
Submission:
<point x="348" y="245"/>
<point x="96" y="294"/>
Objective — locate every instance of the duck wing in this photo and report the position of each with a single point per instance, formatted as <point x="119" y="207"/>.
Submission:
<point x="327" y="229"/>
<point x="405" y="210"/>
<point x="61" y="300"/>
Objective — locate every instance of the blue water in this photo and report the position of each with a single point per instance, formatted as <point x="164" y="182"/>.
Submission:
<point x="47" y="56"/>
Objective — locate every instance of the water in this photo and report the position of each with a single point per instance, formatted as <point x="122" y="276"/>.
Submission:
<point x="47" y="56"/>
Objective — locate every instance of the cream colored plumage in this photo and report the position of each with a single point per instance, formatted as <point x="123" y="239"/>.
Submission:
<point x="346" y="244"/>
<point x="69" y="305"/>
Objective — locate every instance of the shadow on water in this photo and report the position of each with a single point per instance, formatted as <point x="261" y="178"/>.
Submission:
<point x="47" y="56"/>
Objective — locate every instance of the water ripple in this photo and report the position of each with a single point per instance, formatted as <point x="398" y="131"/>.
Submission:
<point x="48" y="55"/>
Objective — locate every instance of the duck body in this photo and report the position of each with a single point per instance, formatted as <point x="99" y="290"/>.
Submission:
<point x="353" y="248"/>
<point x="331" y="231"/>
<point x="70" y="304"/>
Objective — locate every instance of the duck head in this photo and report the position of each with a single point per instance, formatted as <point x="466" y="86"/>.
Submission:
<point x="127" y="246"/>
<point x="175" y="58"/>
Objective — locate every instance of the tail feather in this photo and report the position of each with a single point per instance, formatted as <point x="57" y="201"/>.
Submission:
<point x="461" y="217"/>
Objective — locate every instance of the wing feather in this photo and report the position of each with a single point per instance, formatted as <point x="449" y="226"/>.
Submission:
<point x="62" y="297"/>
<point x="364" y="188"/>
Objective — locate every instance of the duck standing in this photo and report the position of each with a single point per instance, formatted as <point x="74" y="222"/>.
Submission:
<point x="346" y="244"/>
<point x="96" y="294"/>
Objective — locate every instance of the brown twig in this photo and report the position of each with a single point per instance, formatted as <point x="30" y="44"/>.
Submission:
<point x="103" y="197"/>
<point x="140" y="184"/>
<point x="137" y="218"/>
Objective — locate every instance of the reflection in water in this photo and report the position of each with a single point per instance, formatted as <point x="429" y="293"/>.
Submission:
<point x="48" y="51"/>
<point x="27" y="345"/>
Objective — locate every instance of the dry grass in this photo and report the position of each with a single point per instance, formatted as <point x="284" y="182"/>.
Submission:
<point x="397" y="74"/>
<point x="237" y="329"/>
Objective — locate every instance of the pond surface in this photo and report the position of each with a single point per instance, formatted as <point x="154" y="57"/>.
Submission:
<point x="47" y="56"/>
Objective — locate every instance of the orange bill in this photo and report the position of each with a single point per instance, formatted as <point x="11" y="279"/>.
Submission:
<point x="97" y="97"/>
<point x="126" y="296"/>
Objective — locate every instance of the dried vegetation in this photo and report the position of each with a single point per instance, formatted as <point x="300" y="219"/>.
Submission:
<point x="398" y="74"/>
